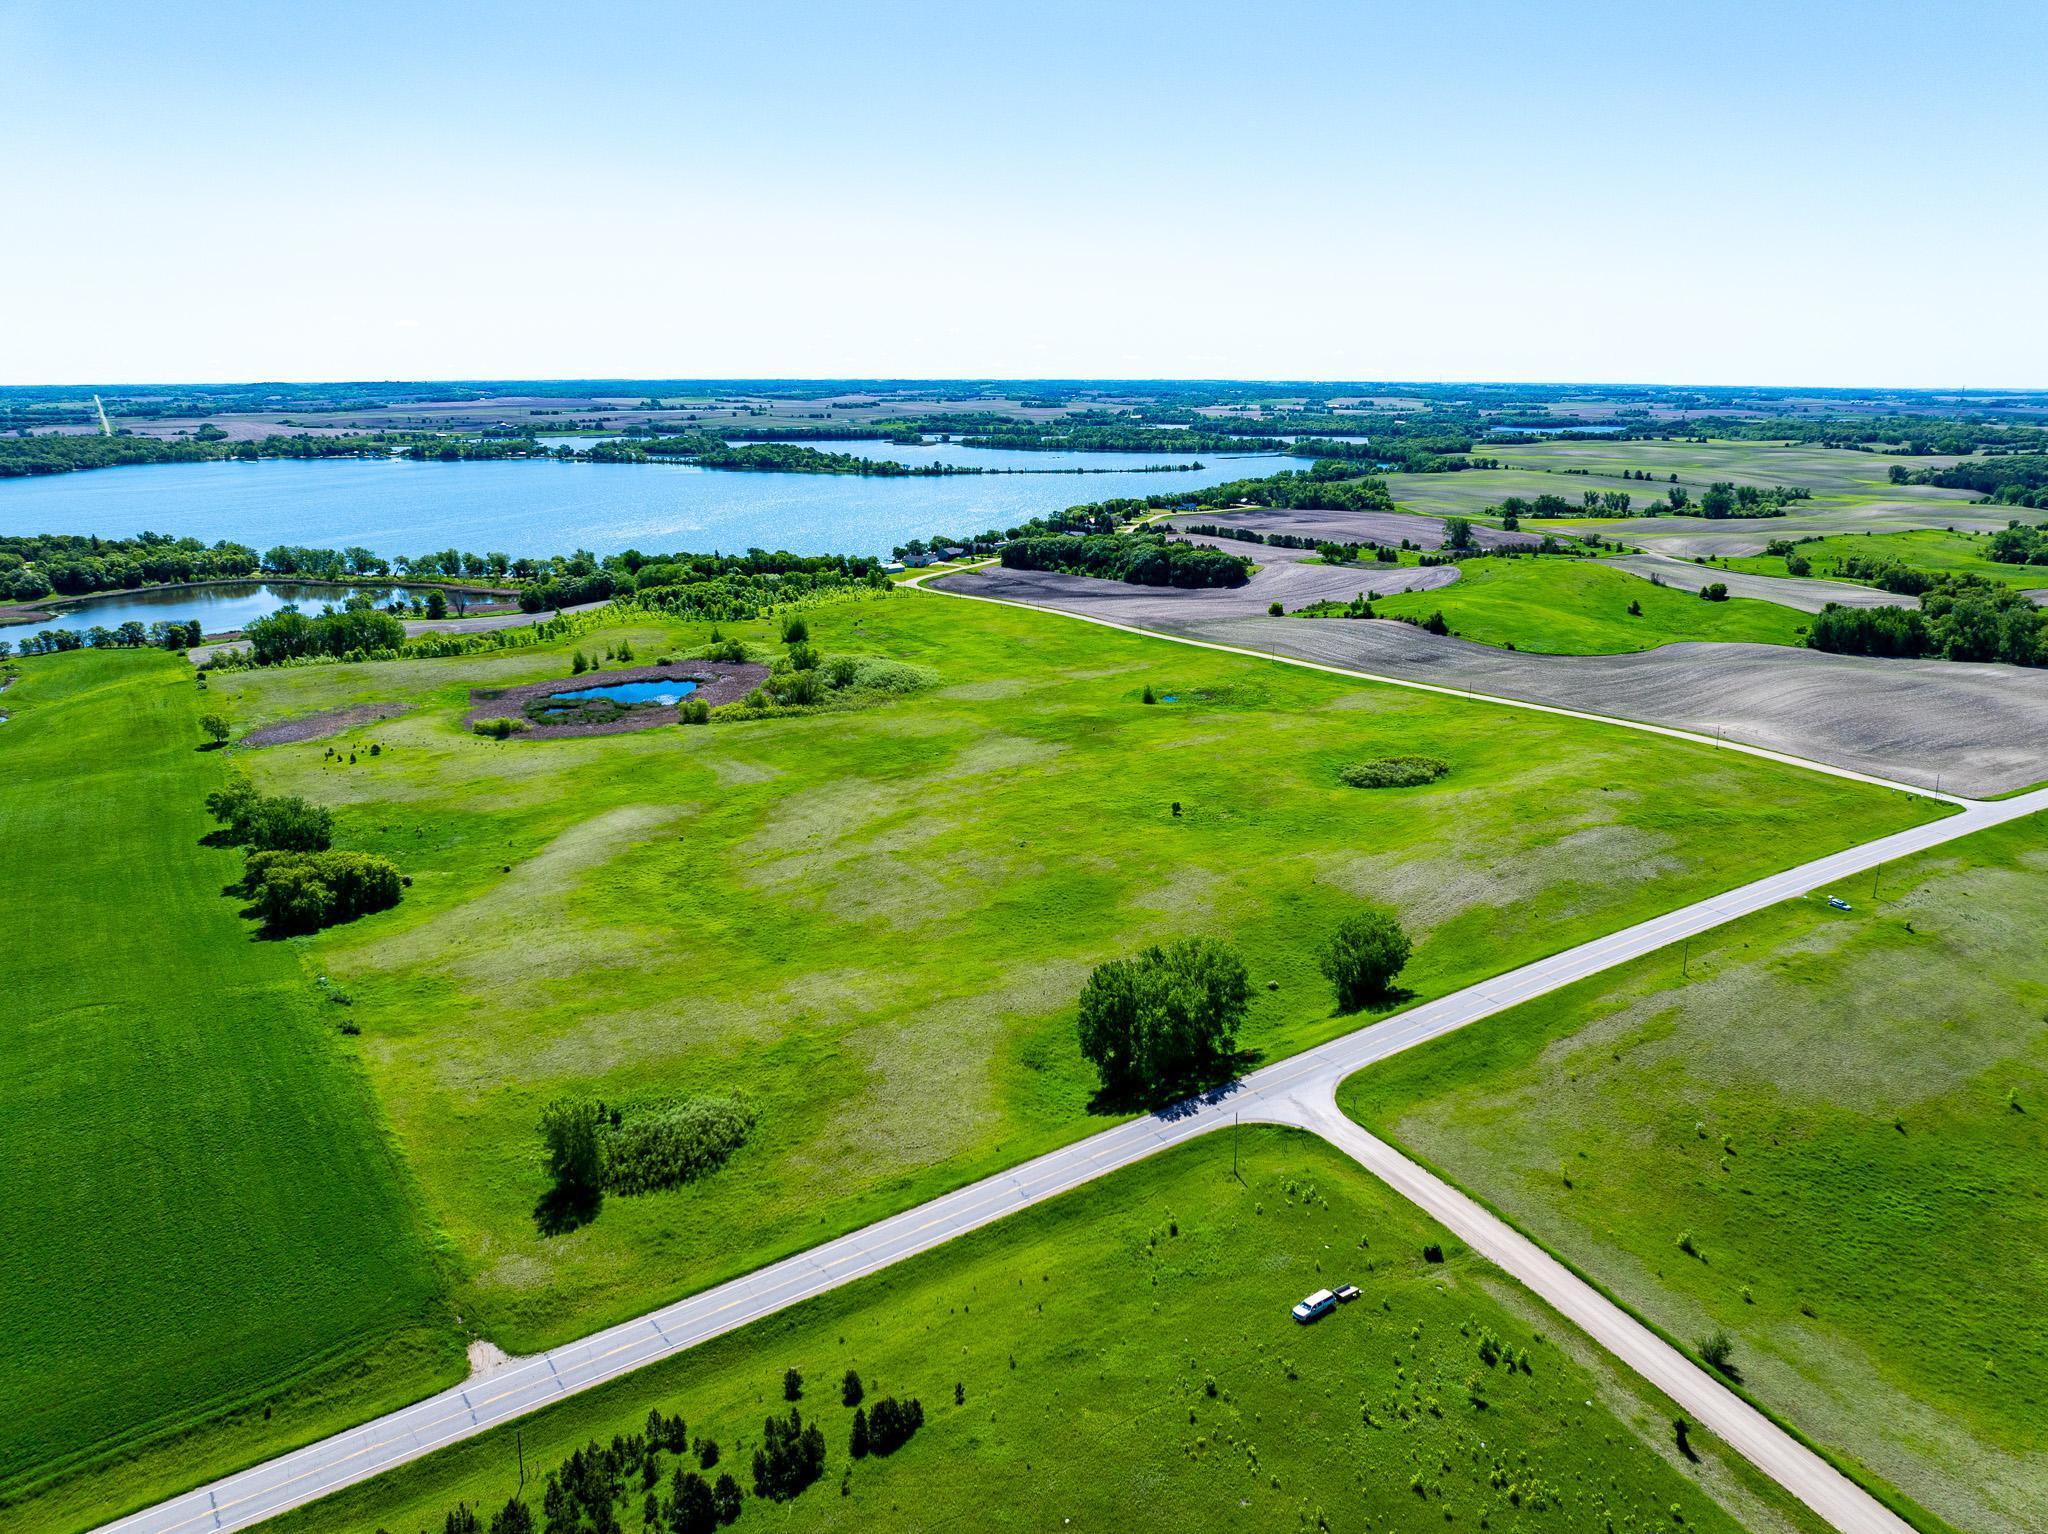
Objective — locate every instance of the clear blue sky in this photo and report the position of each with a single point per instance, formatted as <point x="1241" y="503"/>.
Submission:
<point x="1782" y="193"/>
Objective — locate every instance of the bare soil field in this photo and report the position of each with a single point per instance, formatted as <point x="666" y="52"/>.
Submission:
<point x="1348" y="527"/>
<point x="1286" y="577"/>
<point x="318" y="726"/>
<point x="1804" y="593"/>
<point x="1970" y="729"/>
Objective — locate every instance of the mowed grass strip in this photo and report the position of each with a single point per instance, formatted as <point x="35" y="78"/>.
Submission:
<point x="199" y="1217"/>
<point x="1085" y="1336"/>
<point x="1845" y="1115"/>
<point x="1563" y="606"/>
<point x="875" y="923"/>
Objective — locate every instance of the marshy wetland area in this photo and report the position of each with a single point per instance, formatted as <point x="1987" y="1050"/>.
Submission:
<point x="482" y="981"/>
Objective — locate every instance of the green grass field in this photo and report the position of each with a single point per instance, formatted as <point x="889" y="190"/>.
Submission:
<point x="876" y="923"/>
<point x="1933" y="549"/>
<point x="1084" y="1335"/>
<point x="1824" y="471"/>
<point x="1852" y="491"/>
<point x="1847" y="1114"/>
<point x="1562" y="606"/>
<point x="203" y="1217"/>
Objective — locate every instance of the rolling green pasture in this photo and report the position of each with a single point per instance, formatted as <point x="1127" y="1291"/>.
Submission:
<point x="876" y="922"/>
<point x="1562" y="606"/>
<point x="1852" y="492"/>
<point x="1470" y="492"/>
<point x="1824" y="471"/>
<point x="203" y="1222"/>
<point x="1942" y="552"/>
<point x="1085" y="1335"/>
<point x="1846" y="1113"/>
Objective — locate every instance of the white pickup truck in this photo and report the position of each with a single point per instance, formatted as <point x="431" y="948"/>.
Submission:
<point x="1316" y="1306"/>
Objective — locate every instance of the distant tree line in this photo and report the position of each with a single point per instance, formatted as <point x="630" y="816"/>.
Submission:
<point x="1141" y="559"/>
<point x="131" y="635"/>
<point x="2018" y="479"/>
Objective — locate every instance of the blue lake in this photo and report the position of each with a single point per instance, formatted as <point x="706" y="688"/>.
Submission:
<point x="219" y="608"/>
<point x="546" y="507"/>
<point x="657" y="691"/>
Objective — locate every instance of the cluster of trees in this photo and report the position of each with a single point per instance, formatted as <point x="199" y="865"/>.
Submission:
<point x="790" y="1458"/>
<point x="1166" y="1021"/>
<point x="1142" y="559"/>
<point x="583" y="577"/>
<point x="1723" y="499"/>
<point x="885" y="1428"/>
<point x="2018" y="545"/>
<point x="2010" y="479"/>
<point x="1961" y="617"/>
<point x="294" y="879"/>
<point x="354" y="629"/>
<point x="35" y="564"/>
<point x="297" y="892"/>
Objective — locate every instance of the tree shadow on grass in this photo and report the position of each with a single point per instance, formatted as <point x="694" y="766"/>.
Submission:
<point x="1390" y="1000"/>
<point x="1178" y="1099"/>
<point x="562" y="1210"/>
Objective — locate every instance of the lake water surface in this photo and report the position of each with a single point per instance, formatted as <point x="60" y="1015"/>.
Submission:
<point x="546" y="507"/>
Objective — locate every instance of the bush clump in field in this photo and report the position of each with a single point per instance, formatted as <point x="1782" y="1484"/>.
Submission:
<point x="1394" y="771"/>
<point x="298" y="892"/>
<point x="1363" y="956"/>
<point x="844" y="681"/>
<point x="268" y="822"/>
<point x="667" y="1144"/>
<point x="891" y="1423"/>
<point x="791" y="1456"/>
<point x="728" y="651"/>
<point x="1719" y="1354"/>
<point x="693" y="711"/>
<point x="1165" y="1019"/>
<point x="503" y="728"/>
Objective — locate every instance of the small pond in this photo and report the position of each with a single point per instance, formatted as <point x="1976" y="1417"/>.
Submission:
<point x="660" y="690"/>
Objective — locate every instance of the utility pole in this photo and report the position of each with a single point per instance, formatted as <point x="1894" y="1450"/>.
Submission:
<point x="1685" y="958"/>
<point x="519" y="1439"/>
<point x="1233" y="1147"/>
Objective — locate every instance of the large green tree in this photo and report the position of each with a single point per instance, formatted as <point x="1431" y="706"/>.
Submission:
<point x="1364" y="955"/>
<point x="1166" y="1018"/>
